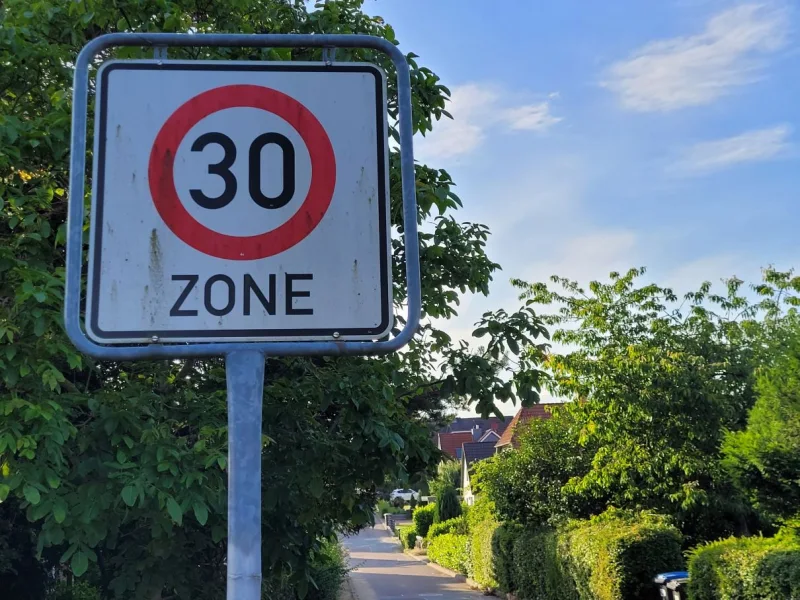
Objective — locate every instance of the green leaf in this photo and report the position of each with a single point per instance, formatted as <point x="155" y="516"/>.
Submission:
<point x="512" y="344"/>
<point x="79" y="563"/>
<point x="174" y="510"/>
<point x="60" y="511"/>
<point x="4" y="490"/>
<point x="129" y="494"/>
<point x="201" y="512"/>
<point x="53" y="480"/>
<point x="31" y="494"/>
<point x="315" y="487"/>
<point x="480" y="332"/>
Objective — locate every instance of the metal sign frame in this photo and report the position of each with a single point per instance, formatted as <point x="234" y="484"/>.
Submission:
<point x="77" y="189"/>
<point x="244" y="361"/>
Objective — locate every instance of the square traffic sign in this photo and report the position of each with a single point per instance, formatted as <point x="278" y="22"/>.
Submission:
<point x="239" y="201"/>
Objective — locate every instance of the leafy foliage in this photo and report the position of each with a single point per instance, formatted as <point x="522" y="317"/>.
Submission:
<point x="450" y="550"/>
<point x="423" y="518"/>
<point x="616" y="555"/>
<point x="447" y="505"/>
<point x="503" y="542"/>
<point x="538" y="570"/>
<point x="482" y="561"/>
<point x="658" y="381"/>
<point x="765" y="458"/>
<point x="448" y="474"/>
<point x="122" y="467"/>
<point x="746" y="569"/>
<point x="526" y="485"/>
<point x="408" y="536"/>
<point x="457" y="525"/>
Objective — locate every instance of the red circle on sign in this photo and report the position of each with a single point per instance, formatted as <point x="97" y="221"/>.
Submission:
<point x="231" y="247"/>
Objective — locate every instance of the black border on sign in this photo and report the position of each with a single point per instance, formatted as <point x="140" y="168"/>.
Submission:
<point x="383" y="209"/>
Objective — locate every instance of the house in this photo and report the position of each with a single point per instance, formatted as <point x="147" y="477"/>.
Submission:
<point x="461" y="430"/>
<point x="508" y="440"/>
<point x="451" y="443"/>
<point x="471" y="453"/>
<point x="471" y="423"/>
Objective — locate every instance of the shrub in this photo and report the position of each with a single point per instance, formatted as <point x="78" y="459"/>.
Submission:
<point x="503" y="542"/>
<point x="537" y="570"/>
<point x="447" y="505"/>
<point x="482" y="510"/>
<point x="457" y="525"/>
<point x="408" y="536"/>
<point x="423" y="518"/>
<point x="451" y="551"/>
<point x="78" y="590"/>
<point x="448" y="475"/>
<point x="746" y="569"/>
<point x="327" y="569"/>
<point x="382" y="507"/>
<point x="481" y="554"/>
<point x="398" y="503"/>
<point x="615" y="556"/>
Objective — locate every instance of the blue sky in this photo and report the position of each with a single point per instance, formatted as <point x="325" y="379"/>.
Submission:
<point x="593" y="137"/>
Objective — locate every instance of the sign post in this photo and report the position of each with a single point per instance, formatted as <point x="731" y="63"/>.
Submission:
<point x="239" y="209"/>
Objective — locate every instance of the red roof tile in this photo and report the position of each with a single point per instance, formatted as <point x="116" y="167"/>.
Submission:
<point x="537" y="411"/>
<point x="450" y="442"/>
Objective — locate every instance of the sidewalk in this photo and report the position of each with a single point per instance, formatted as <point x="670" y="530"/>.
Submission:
<point x="383" y="572"/>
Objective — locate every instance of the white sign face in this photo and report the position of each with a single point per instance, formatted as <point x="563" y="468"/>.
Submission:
<point x="239" y="202"/>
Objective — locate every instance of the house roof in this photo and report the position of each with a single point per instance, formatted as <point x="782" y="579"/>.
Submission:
<point x="450" y="442"/>
<point x="537" y="411"/>
<point x="469" y="423"/>
<point x="488" y="434"/>
<point x="475" y="451"/>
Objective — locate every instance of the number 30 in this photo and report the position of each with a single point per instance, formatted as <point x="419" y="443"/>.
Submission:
<point x="223" y="169"/>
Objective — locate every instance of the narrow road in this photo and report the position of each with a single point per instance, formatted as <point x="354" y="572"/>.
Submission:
<point x="383" y="572"/>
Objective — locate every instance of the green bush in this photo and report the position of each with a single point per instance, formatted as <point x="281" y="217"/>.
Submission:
<point x="537" y="570"/>
<point x="327" y="569"/>
<point x="503" y="540"/>
<point x="457" y="525"/>
<point x="382" y="507"/>
<point x="408" y="536"/>
<point x="481" y="554"/>
<point x="616" y="555"/>
<point x="423" y="518"/>
<point x="78" y="590"/>
<point x="447" y="505"/>
<point x="611" y="557"/>
<point x="746" y="569"/>
<point x="450" y="550"/>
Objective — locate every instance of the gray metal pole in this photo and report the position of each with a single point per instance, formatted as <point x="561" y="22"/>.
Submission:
<point x="245" y="378"/>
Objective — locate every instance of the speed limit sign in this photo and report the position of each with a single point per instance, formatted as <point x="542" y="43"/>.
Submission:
<point x="239" y="202"/>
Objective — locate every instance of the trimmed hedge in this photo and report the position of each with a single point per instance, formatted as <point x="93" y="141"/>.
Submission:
<point x="503" y="555"/>
<point x="538" y="571"/>
<point x="457" y="525"/>
<point x="407" y="535"/>
<point x="746" y="569"/>
<point x="482" y="556"/>
<point x="616" y="555"/>
<point x="450" y="550"/>
<point x="611" y="557"/>
<point x="423" y="518"/>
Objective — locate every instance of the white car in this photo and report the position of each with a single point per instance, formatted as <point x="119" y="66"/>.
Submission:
<point x="404" y="494"/>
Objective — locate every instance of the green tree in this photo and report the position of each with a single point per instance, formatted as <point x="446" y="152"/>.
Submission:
<point x="764" y="459"/>
<point x="121" y="467"/>
<point x="448" y="505"/>
<point x="526" y="485"/>
<point x="659" y="380"/>
<point x="448" y="474"/>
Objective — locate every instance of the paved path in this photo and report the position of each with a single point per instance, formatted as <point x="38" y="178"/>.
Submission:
<point x="383" y="572"/>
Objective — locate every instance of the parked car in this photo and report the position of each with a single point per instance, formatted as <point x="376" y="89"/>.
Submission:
<point x="404" y="495"/>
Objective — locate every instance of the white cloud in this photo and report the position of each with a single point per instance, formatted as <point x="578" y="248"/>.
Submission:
<point x="532" y="117"/>
<point x="478" y="109"/>
<point x="751" y="146"/>
<point x="696" y="70"/>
